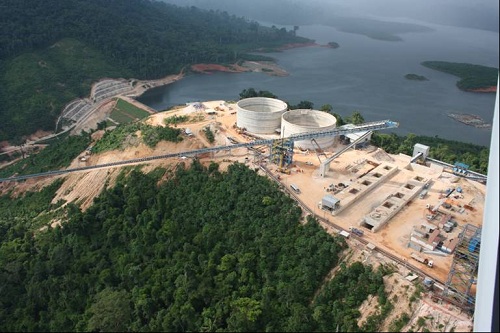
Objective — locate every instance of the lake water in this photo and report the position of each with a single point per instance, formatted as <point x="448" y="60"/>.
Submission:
<point x="365" y="75"/>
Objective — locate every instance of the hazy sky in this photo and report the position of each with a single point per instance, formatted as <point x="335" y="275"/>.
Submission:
<point x="481" y="14"/>
<point x="471" y="13"/>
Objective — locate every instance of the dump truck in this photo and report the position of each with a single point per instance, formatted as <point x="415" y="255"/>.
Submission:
<point x="356" y="231"/>
<point x="422" y="260"/>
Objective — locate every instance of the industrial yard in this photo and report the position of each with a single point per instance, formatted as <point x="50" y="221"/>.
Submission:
<point x="394" y="203"/>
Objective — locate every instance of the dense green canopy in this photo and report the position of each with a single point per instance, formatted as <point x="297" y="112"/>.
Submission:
<point x="203" y="251"/>
<point x="51" y="51"/>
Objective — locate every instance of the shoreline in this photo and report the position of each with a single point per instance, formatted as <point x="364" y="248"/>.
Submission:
<point x="492" y="89"/>
<point x="268" y="67"/>
<point x="470" y="120"/>
<point x="141" y="86"/>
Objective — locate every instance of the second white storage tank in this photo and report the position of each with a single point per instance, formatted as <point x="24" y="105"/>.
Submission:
<point x="301" y="121"/>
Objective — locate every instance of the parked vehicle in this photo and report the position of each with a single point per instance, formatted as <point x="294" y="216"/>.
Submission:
<point x="422" y="260"/>
<point x="356" y="231"/>
<point x="295" y="188"/>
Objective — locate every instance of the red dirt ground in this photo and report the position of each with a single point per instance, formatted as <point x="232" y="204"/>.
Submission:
<point x="486" y="89"/>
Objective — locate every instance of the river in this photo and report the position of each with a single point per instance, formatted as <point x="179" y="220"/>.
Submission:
<point x="365" y="75"/>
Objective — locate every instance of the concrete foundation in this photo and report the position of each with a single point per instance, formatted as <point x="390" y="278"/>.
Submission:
<point x="391" y="205"/>
<point x="363" y="185"/>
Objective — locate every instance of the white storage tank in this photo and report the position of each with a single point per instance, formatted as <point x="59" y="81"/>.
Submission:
<point x="301" y="121"/>
<point x="260" y="115"/>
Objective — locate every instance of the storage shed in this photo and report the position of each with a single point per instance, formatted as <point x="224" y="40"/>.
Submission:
<point x="344" y="233"/>
<point x="329" y="202"/>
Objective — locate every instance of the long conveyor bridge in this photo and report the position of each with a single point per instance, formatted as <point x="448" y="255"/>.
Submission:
<point x="369" y="126"/>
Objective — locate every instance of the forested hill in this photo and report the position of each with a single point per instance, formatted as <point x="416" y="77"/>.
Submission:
<point x="148" y="37"/>
<point x="123" y="38"/>
<point x="204" y="251"/>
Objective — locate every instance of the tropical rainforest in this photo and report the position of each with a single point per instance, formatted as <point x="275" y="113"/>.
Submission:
<point x="52" y="51"/>
<point x="185" y="249"/>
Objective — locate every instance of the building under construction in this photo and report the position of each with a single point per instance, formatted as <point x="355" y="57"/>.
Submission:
<point x="462" y="278"/>
<point x="282" y="153"/>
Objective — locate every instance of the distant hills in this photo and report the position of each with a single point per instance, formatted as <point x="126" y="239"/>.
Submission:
<point x="51" y="51"/>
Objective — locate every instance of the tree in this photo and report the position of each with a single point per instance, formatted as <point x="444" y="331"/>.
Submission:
<point x="340" y="121"/>
<point x="245" y="312"/>
<point x="265" y="93"/>
<point x="326" y="108"/>
<point x="247" y="93"/>
<point x="251" y="92"/>
<point x="303" y="105"/>
<point x="356" y="118"/>
<point x="110" y="312"/>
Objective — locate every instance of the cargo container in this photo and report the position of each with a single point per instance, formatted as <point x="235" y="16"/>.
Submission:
<point x="344" y="233"/>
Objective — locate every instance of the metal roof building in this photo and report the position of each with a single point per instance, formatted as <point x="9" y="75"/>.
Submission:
<point x="330" y="202"/>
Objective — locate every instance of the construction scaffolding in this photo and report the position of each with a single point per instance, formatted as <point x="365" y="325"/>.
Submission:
<point x="463" y="272"/>
<point x="282" y="152"/>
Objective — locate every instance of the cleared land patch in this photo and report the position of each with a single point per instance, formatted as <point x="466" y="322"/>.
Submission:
<point x="125" y="112"/>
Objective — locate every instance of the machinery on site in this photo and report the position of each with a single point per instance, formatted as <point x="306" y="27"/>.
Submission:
<point x="422" y="260"/>
<point x="318" y="150"/>
<point x="442" y="202"/>
<point x="282" y="155"/>
<point x="325" y="165"/>
<point x="287" y="146"/>
<point x="421" y="156"/>
<point x="356" y="231"/>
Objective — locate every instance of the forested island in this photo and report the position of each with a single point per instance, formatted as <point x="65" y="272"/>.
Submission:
<point x="333" y="45"/>
<point x="416" y="77"/>
<point x="48" y="57"/>
<point x="475" y="78"/>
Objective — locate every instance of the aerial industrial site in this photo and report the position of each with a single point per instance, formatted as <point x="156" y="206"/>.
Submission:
<point x="424" y="214"/>
<point x="420" y="214"/>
